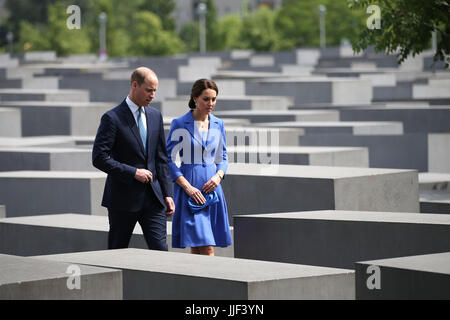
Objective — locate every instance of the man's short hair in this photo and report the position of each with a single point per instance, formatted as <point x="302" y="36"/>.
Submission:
<point x="138" y="76"/>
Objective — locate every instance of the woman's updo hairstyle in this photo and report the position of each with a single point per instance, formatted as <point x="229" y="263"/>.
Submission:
<point x="198" y="88"/>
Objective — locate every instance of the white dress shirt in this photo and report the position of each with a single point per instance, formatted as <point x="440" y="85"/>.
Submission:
<point x="135" y="111"/>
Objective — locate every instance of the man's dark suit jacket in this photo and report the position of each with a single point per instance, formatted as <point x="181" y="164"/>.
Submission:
<point x="118" y="151"/>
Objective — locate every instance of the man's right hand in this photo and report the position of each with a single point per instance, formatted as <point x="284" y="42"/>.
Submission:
<point x="143" y="175"/>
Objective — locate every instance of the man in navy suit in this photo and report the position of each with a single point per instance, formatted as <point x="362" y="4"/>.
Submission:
<point x="130" y="147"/>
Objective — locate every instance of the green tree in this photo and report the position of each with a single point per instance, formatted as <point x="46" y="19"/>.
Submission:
<point x="258" y="30"/>
<point x="189" y="34"/>
<point x="298" y="22"/>
<point x="55" y="35"/>
<point x="163" y="9"/>
<point x="149" y="38"/>
<point x="406" y="27"/>
<point x="230" y="29"/>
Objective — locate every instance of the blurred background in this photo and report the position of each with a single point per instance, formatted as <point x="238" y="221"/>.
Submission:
<point x="167" y="27"/>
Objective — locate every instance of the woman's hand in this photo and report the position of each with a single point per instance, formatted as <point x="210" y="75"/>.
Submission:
<point x="195" y="194"/>
<point x="212" y="183"/>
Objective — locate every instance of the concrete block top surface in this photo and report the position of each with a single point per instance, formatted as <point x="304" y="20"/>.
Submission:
<point x="318" y="172"/>
<point x="432" y="177"/>
<point x="435" y="263"/>
<point x="434" y="196"/>
<point x="295" y="124"/>
<point x="57" y="104"/>
<point x="293" y="149"/>
<point x="41" y="91"/>
<point x="34" y="141"/>
<point x="52" y="174"/>
<point x="274" y="112"/>
<point x="242" y="270"/>
<point x="357" y="216"/>
<point x="43" y="150"/>
<point x="24" y="269"/>
<point x="73" y="221"/>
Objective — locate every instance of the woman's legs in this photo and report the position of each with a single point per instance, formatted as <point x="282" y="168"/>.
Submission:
<point x="206" y="250"/>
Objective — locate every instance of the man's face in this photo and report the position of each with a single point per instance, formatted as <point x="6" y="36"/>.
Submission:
<point x="145" y="93"/>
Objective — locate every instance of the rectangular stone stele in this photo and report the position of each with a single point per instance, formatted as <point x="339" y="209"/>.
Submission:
<point x="423" y="277"/>
<point x="339" y="239"/>
<point x="27" y="193"/>
<point x="151" y="274"/>
<point x="67" y="233"/>
<point x="258" y="188"/>
<point x="24" y="278"/>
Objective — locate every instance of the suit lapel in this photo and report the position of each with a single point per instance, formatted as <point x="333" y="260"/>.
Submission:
<point x="190" y="125"/>
<point x="132" y="124"/>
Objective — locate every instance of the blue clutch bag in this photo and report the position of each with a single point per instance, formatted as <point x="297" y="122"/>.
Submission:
<point x="211" y="198"/>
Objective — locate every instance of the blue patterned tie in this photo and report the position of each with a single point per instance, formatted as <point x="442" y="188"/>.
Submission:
<point x="142" y="130"/>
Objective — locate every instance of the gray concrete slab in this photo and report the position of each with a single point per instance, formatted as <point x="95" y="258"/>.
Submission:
<point x="2" y="211"/>
<point x="28" y="193"/>
<point x="43" y="83"/>
<point x="315" y="90"/>
<point x="239" y="135"/>
<point x="315" y="156"/>
<point x="43" y="141"/>
<point x="157" y="275"/>
<point x="434" y="201"/>
<point x="339" y="238"/>
<point x="255" y="188"/>
<point x="66" y="233"/>
<point x="10" y="122"/>
<point x="421" y="277"/>
<point x="43" y="159"/>
<point x="407" y="151"/>
<point x="439" y="152"/>
<point x="176" y="107"/>
<point x="415" y="118"/>
<point x="342" y="127"/>
<point x="113" y="85"/>
<point x="42" y="118"/>
<point x="434" y="181"/>
<point x="36" y="279"/>
<point x="44" y="95"/>
<point x="258" y="116"/>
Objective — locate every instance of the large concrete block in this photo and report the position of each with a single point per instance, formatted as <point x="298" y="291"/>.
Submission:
<point x="157" y="275"/>
<point x="47" y="141"/>
<point x="2" y="211"/>
<point x="439" y="152"/>
<point x="342" y="127"/>
<point x="434" y="201"/>
<point x="10" y="122"/>
<point x="339" y="238"/>
<point x="258" y="116"/>
<point x="315" y="156"/>
<point x="44" y="95"/>
<point x="415" y="118"/>
<point x="434" y="181"/>
<point x="176" y="107"/>
<point x="43" y="159"/>
<point x="282" y="188"/>
<point x="28" y="193"/>
<point x="385" y="151"/>
<point x="421" y="277"/>
<point x="315" y="90"/>
<point x="66" y="233"/>
<point x="59" y="118"/>
<point x="37" y="279"/>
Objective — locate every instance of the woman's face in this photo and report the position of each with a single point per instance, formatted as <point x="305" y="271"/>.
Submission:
<point x="206" y="101"/>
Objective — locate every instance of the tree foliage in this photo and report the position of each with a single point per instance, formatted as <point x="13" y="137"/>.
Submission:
<point x="406" y="27"/>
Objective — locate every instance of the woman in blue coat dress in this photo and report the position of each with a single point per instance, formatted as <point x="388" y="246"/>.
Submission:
<point x="198" y="140"/>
